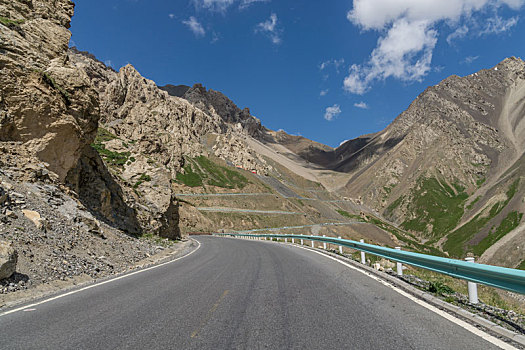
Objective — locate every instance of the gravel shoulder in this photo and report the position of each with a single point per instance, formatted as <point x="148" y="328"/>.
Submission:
<point x="59" y="286"/>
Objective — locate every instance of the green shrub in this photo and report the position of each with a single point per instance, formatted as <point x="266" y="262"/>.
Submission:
<point x="11" y="23"/>
<point x="143" y="177"/>
<point x="110" y="157"/>
<point x="439" y="288"/>
<point x="51" y="82"/>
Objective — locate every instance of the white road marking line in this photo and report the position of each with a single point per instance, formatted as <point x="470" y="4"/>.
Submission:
<point x="499" y="343"/>
<point x="98" y="284"/>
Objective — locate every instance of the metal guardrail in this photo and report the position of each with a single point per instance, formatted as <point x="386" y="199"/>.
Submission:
<point x="494" y="276"/>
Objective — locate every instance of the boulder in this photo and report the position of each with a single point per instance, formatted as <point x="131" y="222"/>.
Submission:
<point x="8" y="259"/>
<point x="35" y="218"/>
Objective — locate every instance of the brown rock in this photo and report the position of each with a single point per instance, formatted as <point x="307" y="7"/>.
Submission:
<point x="35" y="218"/>
<point x="8" y="259"/>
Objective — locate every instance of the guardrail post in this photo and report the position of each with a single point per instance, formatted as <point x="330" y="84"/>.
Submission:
<point x="293" y="240"/>
<point x="324" y="243"/>
<point x="399" y="266"/>
<point x="472" y="288"/>
<point x="363" y="258"/>
<point x="286" y="240"/>
<point x="312" y="244"/>
<point x="340" y="247"/>
<point x="302" y="241"/>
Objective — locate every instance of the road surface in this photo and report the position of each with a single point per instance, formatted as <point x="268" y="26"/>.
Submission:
<point x="237" y="294"/>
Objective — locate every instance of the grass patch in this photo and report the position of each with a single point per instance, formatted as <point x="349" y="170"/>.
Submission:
<point x="487" y="295"/>
<point x="511" y="221"/>
<point x="190" y="178"/>
<point x="409" y="239"/>
<point x="163" y="242"/>
<point x="521" y="266"/>
<point x="104" y="135"/>
<point x="457" y="239"/>
<point x="11" y="23"/>
<point x="439" y="288"/>
<point x="471" y="205"/>
<point x="52" y="83"/>
<point x="143" y="178"/>
<point x="437" y="204"/>
<point x="110" y="157"/>
<point x="201" y="170"/>
<point x="395" y="204"/>
<point x="350" y="216"/>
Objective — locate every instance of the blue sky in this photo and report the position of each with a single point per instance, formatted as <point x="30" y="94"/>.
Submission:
<point x="326" y="70"/>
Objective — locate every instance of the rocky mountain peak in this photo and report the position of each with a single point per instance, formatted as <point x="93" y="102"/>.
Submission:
<point x="217" y="104"/>
<point x="512" y="63"/>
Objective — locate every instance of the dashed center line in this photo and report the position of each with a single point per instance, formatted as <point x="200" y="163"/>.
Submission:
<point x="209" y="314"/>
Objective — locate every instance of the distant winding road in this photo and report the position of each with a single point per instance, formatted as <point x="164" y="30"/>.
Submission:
<point x="236" y="294"/>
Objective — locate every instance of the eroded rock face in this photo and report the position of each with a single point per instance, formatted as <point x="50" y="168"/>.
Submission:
<point x="45" y="102"/>
<point x="153" y="131"/>
<point x="8" y="259"/>
<point x="464" y="129"/>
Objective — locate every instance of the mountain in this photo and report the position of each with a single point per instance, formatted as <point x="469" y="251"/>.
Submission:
<point x="449" y="169"/>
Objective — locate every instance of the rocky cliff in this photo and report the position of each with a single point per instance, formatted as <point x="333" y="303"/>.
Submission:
<point x="47" y="106"/>
<point x="61" y="211"/>
<point x="147" y="136"/>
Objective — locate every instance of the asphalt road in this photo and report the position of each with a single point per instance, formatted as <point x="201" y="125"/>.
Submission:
<point x="237" y="294"/>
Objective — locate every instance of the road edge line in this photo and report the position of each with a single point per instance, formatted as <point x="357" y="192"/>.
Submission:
<point x="452" y="313"/>
<point x="96" y="284"/>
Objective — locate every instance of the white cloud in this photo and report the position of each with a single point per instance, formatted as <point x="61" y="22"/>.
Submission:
<point x="195" y="26"/>
<point x="355" y="81"/>
<point x="214" y="5"/>
<point x="498" y="25"/>
<point x="457" y="34"/>
<point x="336" y="63"/>
<point x="323" y="92"/>
<point x="361" y="105"/>
<point x="247" y="3"/>
<point x="408" y="35"/>
<point x="214" y="37"/>
<point x="470" y="59"/>
<point x="108" y="63"/>
<point x="223" y="5"/>
<point x="332" y="112"/>
<point x="171" y="16"/>
<point x="270" y="28"/>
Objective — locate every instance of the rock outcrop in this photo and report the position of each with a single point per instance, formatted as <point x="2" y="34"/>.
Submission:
<point x="146" y="135"/>
<point x="8" y="259"/>
<point x="61" y="208"/>
<point x="46" y="104"/>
